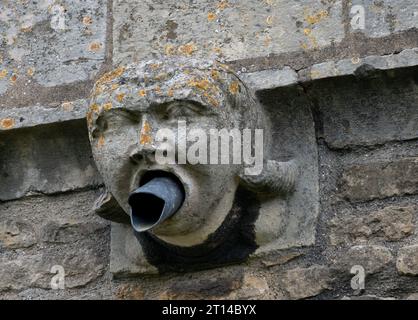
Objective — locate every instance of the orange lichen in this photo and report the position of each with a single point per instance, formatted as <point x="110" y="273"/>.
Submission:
<point x="26" y="29"/>
<point x="217" y="50"/>
<point x="109" y="76"/>
<point x="187" y="49"/>
<point x="95" y="108"/>
<point x="211" y="99"/>
<point x="101" y="141"/>
<point x="315" y="18"/>
<point x="267" y="40"/>
<point x="155" y="66"/>
<point x="214" y="74"/>
<point x="67" y="106"/>
<point x="234" y="87"/>
<point x="169" y="49"/>
<point x="13" y="78"/>
<point x="30" y="72"/>
<point x="222" y="4"/>
<point x="211" y="16"/>
<point x="107" y="106"/>
<point x="95" y="46"/>
<point x="3" y="73"/>
<point x="87" y="20"/>
<point x="307" y="31"/>
<point x="120" y="96"/>
<point x="114" y="86"/>
<point x="145" y="134"/>
<point x="89" y="118"/>
<point x="142" y="93"/>
<point x="202" y="84"/>
<point x="7" y="123"/>
<point x="170" y="92"/>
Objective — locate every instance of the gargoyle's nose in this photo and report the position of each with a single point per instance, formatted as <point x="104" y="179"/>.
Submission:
<point x="145" y="148"/>
<point x="154" y="202"/>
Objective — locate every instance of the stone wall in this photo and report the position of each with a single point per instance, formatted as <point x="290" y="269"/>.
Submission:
<point x="361" y="86"/>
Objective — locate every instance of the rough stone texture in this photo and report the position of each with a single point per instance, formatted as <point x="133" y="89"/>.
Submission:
<point x="226" y="29"/>
<point x="380" y="179"/>
<point x="413" y="296"/>
<point x="40" y="115"/>
<point x="16" y="234"/>
<point x="46" y="160"/>
<point x="407" y="261"/>
<point x="56" y="230"/>
<point x="388" y="16"/>
<point x="356" y="66"/>
<point x="303" y="283"/>
<point x="390" y="223"/>
<point x="51" y="43"/>
<point x="367" y="110"/>
<point x="372" y="258"/>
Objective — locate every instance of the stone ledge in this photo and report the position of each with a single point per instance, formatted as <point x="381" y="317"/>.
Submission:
<point x="15" y="118"/>
<point x="275" y="78"/>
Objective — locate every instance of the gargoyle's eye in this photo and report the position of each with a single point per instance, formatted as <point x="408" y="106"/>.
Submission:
<point x="100" y="126"/>
<point x="182" y="111"/>
<point x="113" y="120"/>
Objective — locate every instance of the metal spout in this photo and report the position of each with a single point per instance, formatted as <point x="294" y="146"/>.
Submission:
<point x="154" y="202"/>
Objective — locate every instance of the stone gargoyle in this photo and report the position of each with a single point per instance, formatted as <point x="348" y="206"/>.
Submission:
<point x="132" y="108"/>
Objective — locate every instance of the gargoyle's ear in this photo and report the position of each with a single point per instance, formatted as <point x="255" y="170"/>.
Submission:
<point x="108" y="208"/>
<point x="276" y="178"/>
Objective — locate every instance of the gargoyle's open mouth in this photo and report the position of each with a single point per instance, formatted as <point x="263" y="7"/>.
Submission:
<point x="159" y="196"/>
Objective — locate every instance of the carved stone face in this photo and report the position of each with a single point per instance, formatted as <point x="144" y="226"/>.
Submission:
<point x="131" y="104"/>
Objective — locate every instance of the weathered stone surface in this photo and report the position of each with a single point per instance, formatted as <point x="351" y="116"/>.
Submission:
<point x="380" y="179"/>
<point x="278" y="259"/>
<point x="46" y="160"/>
<point x="126" y="255"/>
<point x="367" y="297"/>
<point x="413" y="296"/>
<point x="303" y="283"/>
<point x="369" y="110"/>
<point x="225" y="29"/>
<point x="253" y="287"/>
<point x="63" y="231"/>
<point x="407" y="261"/>
<point x="17" y="274"/>
<point x="129" y="292"/>
<point x="291" y="223"/>
<point x="391" y="223"/>
<point x="270" y="79"/>
<point x="16" y="233"/>
<point x="203" y="287"/>
<point x="62" y="219"/>
<point x="81" y="265"/>
<point x="51" y="43"/>
<point x="355" y="65"/>
<point x="372" y="258"/>
<point x="38" y="115"/>
<point x="388" y="16"/>
<point x="67" y="231"/>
